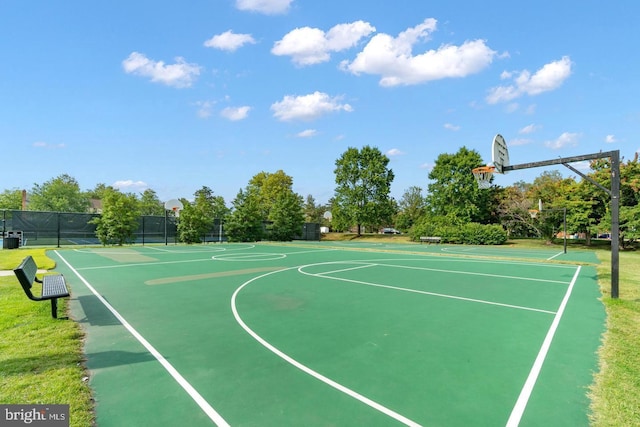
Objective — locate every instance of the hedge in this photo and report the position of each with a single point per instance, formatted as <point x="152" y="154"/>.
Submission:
<point x="469" y="234"/>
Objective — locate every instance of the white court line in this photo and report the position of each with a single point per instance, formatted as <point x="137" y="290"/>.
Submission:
<point x="471" y="273"/>
<point x="558" y="254"/>
<point x="310" y="251"/>
<point x="308" y="370"/>
<point x="439" y="270"/>
<point x="416" y="291"/>
<point x="192" y="392"/>
<point x="349" y="269"/>
<point x="138" y="264"/>
<point x="527" y="389"/>
<point x="191" y="251"/>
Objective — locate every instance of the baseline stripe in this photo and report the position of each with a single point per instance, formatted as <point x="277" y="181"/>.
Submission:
<point x="192" y="392"/>
<point x="525" y="394"/>
<point x="434" y="294"/>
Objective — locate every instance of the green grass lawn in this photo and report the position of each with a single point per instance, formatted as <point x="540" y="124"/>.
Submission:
<point x="41" y="358"/>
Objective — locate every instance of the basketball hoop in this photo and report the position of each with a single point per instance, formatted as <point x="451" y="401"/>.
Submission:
<point x="483" y="176"/>
<point x="175" y="206"/>
<point x="533" y="213"/>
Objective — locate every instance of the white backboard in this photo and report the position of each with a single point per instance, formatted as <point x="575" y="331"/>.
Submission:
<point x="174" y="205"/>
<point x="499" y="153"/>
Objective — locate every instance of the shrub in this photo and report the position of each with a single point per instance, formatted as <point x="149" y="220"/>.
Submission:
<point x="469" y="233"/>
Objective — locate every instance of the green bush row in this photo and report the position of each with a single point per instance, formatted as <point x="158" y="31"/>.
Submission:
<point x="469" y="234"/>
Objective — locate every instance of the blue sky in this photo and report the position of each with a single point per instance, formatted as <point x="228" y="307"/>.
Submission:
<point x="173" y="96"/>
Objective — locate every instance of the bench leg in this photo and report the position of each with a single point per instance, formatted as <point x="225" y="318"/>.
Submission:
<point x="54" y="308"/>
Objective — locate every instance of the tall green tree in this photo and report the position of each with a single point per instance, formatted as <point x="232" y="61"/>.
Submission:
<point x="287" y="217"/>
<point x="119" y="219"/>
<point x="268" y="187"/>
<point x="411" y="208"/>
<point x="60" y="194"/>
<point x="453" y="192"/>
<point x="197" y="218"/>
<point x="276" y="201"/>
<point x="150" y="204"/>
<point x="312" y="211"/>
<point x="11" y="199"/>
<point x="99" y="191"/>
<point x="363" y="183"/>
<point x="514" y="211"/>
<point x="554" y="191"/>
<point x="629" y="195"/>
<point x="245" y="223"/>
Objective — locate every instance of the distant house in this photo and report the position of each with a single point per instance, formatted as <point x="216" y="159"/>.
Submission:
<point x="95" y="206"/>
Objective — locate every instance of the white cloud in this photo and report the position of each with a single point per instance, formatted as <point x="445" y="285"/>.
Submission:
<point x="42" y="144"/>
<point x="583" y="166"/>
<point x="229" y="41"/>
<point x="549" y="77"/>
<point x="393" y="60"/>
<point x="308" y="46"/>
<point x="519" y="141"/>
<point x="130" y="186"/>
<point x="267" y="7"/>
<point x="307" y="107"/>
<point x="427" y="166"/>
<point x="204" y="108"/>
<point x="180" y="75"/>
<point x="308" y="133"/>
<point x="564" y="140"/>
<point x="528" y="129"/>
<point x="235" y="113"/>
<point x="610" y="139"/>
<point x="395" y="152"/>
<point x="451" y="127"/>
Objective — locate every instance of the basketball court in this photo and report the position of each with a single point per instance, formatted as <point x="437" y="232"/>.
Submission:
<point x="336" y="334"/>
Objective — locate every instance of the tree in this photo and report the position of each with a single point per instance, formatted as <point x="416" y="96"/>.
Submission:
<point x="245" y="224"/>
<point x="363" y="183"/>
<point x="99" y="191"/>
<point x="276" y="201"/>
<point x="411" y="208"/>
<point x="554" y="192"/>
<point x="287" y="217"/>
<point x="11" y="199"/>
<point x="119" y="219"/>
<point x="150" y="204"/>
<point x="60" y="194"/>
<point x="629" y="195"/>
<point x="454" y="193"/>
<point x="197" y="218"/>
<point x="313" y="212"/>
<point x="513" y="210"/>
<point x="268" y="187"/>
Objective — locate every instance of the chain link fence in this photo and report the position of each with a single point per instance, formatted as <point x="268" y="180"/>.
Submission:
<point x="33" y="228"/>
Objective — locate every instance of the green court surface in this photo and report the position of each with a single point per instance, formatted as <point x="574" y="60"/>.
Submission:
<point x="336" y="334"/>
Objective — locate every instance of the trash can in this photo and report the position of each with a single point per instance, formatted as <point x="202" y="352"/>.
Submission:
<point x="10" y="243"/>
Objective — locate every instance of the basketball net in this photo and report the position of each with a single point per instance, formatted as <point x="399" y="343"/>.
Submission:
<point x="483" y="176"/>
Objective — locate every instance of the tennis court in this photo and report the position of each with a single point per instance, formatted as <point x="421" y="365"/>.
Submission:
<point x="329" y="334"/>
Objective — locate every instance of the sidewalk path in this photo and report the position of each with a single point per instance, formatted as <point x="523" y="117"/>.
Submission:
<point x="10" y="272"/>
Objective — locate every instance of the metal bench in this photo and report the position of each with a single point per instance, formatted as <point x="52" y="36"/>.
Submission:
<point x="430" y="239"/>
<point x="53" y="286"/>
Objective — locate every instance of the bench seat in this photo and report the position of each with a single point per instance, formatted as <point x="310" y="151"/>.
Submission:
<point x="430" y="239"/>
<point x="53" y="286"/>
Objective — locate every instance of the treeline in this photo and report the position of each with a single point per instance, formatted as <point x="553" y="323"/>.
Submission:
<point x="362" y="202"/>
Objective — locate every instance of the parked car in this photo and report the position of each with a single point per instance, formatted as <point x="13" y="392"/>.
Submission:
<point x="390" y="231"/>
